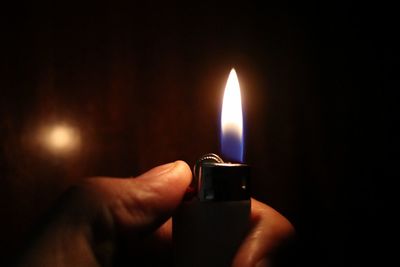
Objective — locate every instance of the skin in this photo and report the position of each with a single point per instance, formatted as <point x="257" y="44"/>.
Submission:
<point x="112" y="221"/>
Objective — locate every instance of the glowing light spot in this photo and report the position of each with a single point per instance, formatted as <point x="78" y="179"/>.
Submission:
<point x="60" y="138"/>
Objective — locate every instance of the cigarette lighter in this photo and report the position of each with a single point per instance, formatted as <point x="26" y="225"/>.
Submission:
<point x="214" y="219"/>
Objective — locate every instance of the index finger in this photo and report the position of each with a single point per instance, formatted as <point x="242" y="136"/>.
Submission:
<point x="269" y="228"/>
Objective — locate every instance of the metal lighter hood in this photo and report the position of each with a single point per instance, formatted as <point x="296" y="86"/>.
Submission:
<point x="215" y="180"/>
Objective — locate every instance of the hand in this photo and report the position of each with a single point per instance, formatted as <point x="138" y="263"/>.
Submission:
<point x="108" y="221"/>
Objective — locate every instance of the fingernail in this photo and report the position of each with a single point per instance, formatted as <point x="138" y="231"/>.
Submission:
<point x="159" y="170"/>
<point x="165" y="168"/>
<point x="262" y="263"/>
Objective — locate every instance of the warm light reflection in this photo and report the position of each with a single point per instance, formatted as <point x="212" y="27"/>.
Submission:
<point x="61" y="138"/>
<point x="232" y="120"/>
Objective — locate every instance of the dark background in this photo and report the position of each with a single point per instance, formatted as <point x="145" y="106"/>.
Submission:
<point x="143" y="84"/>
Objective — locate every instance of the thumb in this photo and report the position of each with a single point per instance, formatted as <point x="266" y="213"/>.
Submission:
<point x="144" y="203"/>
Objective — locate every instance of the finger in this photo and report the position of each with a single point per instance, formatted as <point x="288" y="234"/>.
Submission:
<point x="140" y="204"/>
<point x="164" y="233"/>
<point x="148" y="200"/>
<point x="269" y="229"/>
<point x="160" y="241"/>
<point x="154" y="249"/>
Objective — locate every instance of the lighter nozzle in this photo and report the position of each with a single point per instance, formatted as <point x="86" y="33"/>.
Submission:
<point x="210" y="157"/>
<point x="193" y="187"/>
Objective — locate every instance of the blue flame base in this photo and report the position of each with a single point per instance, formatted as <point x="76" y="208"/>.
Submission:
<point x="231" y="148"/>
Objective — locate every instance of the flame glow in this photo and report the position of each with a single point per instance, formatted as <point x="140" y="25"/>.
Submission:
<point x="60" y="138"/>
<point x="232" y="120"/>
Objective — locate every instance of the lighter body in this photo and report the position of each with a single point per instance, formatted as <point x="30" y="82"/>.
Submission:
<point x="210" y="226"/>
<point x="209" y="233"/>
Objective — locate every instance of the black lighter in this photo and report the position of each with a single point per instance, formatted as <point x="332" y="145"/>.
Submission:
<point x="214" y="217"/>
<point x="210" y="226"/>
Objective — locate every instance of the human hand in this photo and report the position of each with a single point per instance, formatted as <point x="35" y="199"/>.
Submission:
<point x="112" y="221"/>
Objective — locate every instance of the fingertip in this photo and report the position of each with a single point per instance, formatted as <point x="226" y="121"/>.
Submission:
<point x="282" y="224"/>
<point x="183" y="173"/>
<point x="177" y="172"/>
<point x="150" y="199"/>
<point x="269" y="230"/>
<point x="169" y="185"/>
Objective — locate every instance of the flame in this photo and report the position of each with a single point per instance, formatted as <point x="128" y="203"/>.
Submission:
<point x="232" y="120"/>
